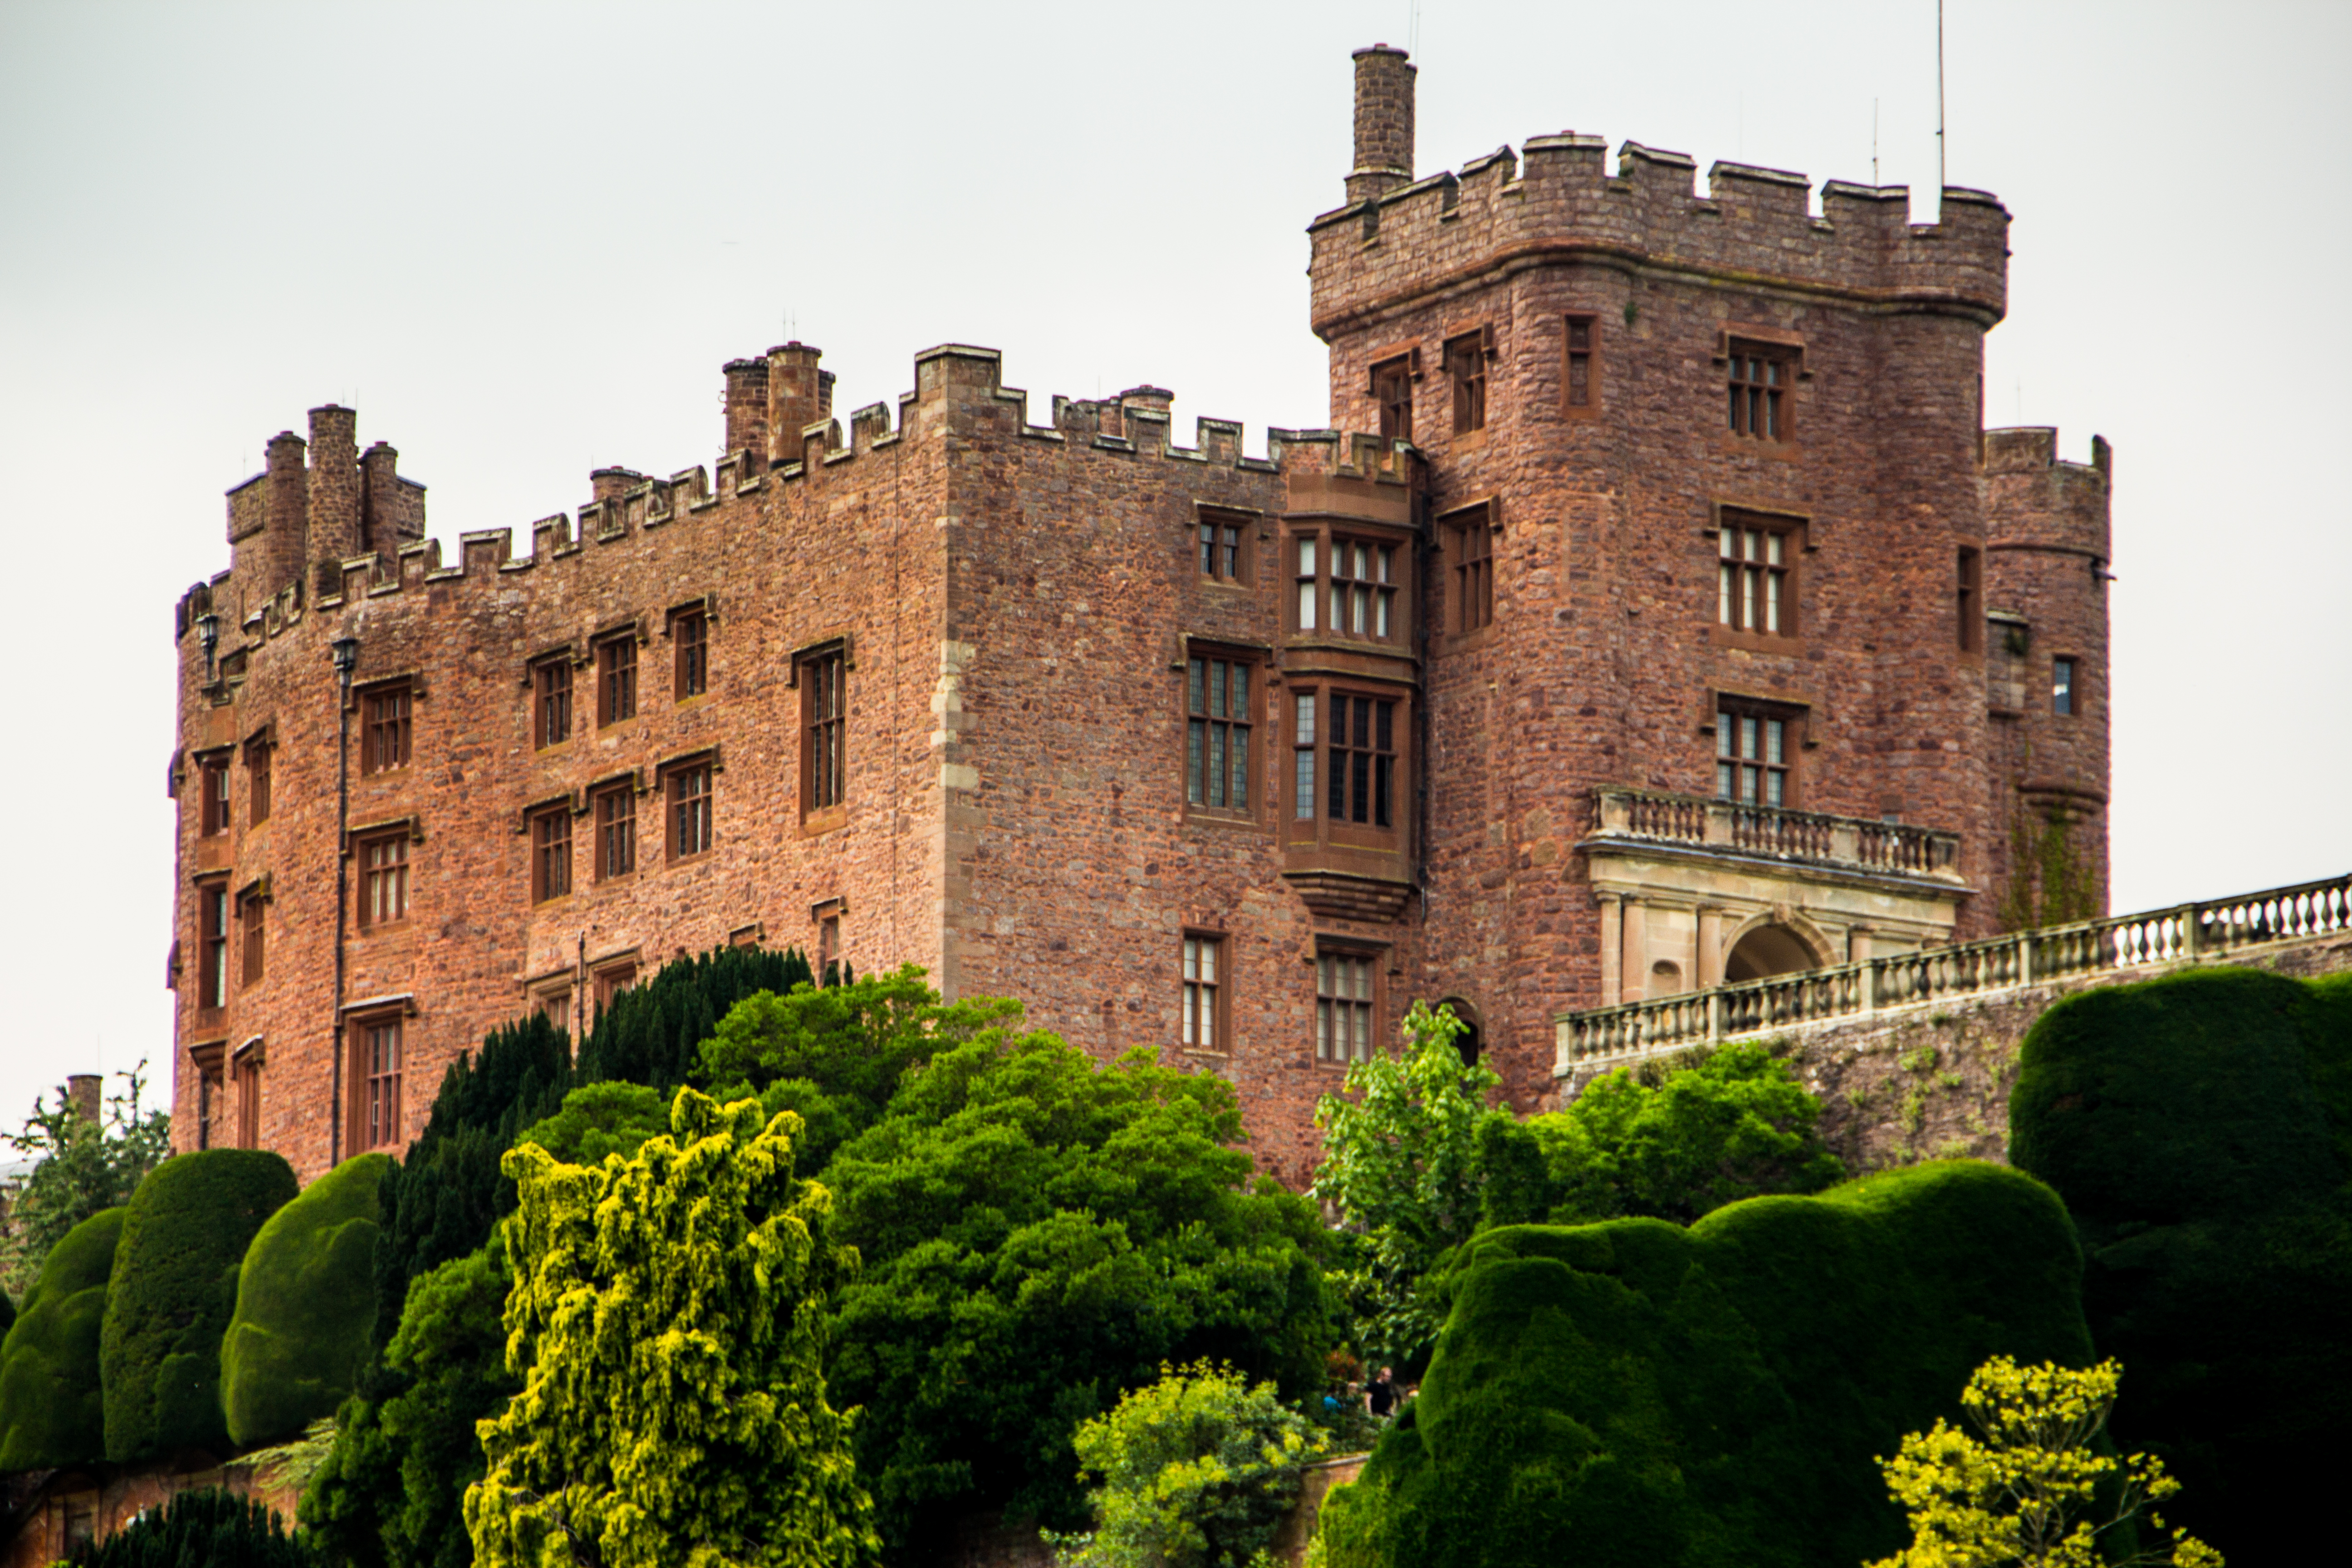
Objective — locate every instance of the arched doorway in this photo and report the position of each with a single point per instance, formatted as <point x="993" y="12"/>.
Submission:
<point x="1469" y="1042"/>
<point x="1768" y="950"/>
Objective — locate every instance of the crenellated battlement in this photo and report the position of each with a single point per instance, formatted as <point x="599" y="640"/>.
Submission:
<point x="2034" y="499"/>
<point x="1556" y="200"/>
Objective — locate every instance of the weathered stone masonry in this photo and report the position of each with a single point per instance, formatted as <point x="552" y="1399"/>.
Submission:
<point x="1019" y="609"/>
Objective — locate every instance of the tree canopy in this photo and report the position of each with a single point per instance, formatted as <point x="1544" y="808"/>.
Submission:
<point x="666" y="1319"/>
<point x="84" y="1166"/>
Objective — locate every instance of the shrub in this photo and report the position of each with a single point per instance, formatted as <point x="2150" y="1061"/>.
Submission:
<point x="1196" y="1471"/>
<point x="173" y="1292"/>
<point x="211" y="1526"/>
<point x="82" y="1166"/>
<point x="2199" y="1129"/>
<point x="1040" y="1232"/>
<point x="1633" y="1391"/>
<point x="600" y="1119"/>
<point x="305" y="1297"/>
<point x="51" y="1412"/>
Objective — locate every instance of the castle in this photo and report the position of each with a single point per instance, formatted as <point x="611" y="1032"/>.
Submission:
<point x="1657" y="611"/>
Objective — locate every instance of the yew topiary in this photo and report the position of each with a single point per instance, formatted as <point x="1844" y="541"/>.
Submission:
<point x="172" y="1294"/>
<point x="305" y="1299"/>
<point x="1635" y="1392"/>
<point x="50" y="1410"/>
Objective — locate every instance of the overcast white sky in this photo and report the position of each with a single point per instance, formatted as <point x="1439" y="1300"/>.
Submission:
<point x="521" y="239"/>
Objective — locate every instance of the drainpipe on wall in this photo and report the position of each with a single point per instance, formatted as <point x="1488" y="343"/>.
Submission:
<point x="346" y="650"/>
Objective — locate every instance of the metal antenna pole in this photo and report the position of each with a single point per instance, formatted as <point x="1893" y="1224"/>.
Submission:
<point x="1939" y="110"/>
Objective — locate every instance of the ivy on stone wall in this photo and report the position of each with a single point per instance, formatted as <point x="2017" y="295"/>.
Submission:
<point x="2052" y="882"/>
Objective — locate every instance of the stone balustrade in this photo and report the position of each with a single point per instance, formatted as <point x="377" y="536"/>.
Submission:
<point x="2118" y="945"/>
<point x="1798" y="837"/>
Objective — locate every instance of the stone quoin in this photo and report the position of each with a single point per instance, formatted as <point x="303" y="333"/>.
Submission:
<point x="1656" y="611"/>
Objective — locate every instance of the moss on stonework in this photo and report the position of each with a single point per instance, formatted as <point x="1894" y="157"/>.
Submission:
<point x="2052" y="882"/>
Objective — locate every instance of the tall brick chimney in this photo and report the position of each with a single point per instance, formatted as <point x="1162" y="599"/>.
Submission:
<point x="1383" y="123"/>
<point x="334" y="492"/>
<point x="796" y="397"/>
<point x="286" y="527"/>
<point x="747" y="407"/>
<point x="82" y="1094"/>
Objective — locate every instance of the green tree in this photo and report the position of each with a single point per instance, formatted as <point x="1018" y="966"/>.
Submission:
<point x="1401" y="1163"/>
<point x="171" y="1293"/>
<point x="2030" y="1488"/>
<point x="1734" y="1124"/>
<point x="666" y="1319"/>
<point x="216" y="1527"/>
<point x="1041" y="1232"/>
<point x="84" y="1166"/>
<point x="1195" y="1471"/>
<point x="305" y="1302"/>
<point x="52" y="1411"/>
<point x="392" y="1489"/>
<point x="600" y="1119"/>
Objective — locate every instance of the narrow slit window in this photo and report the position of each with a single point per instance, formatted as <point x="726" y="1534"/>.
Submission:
<point x="1303" y="758"/>
<point x="2061" y="686"/>
<point x="1583" y="333"/>
<point x="1969" y="600"/>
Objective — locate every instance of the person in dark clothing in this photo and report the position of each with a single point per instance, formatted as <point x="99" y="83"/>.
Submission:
<point x="1379" y="1397"/>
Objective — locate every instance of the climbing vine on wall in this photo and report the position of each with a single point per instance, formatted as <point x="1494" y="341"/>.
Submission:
<point x="2052" y="882"/>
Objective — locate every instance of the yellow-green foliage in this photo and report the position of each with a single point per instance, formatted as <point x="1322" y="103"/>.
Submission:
<point x="665" y="1321"/>
<point x="2030" y="1488"/>
<point x="1636" y="1393"/>
<point x="1195" y="1471"/>
<point x="305" y="1307"/>
<point x="51" y="1411"/>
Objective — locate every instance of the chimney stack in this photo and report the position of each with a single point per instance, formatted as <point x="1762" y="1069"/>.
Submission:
<point x="334" y="492"/>
<point x="285" y="526"/>
<point x="798" y="396"/>
<point x="1384" y="124"/>
<point x="82" y="1094"/>
<point x="747" y="407"/>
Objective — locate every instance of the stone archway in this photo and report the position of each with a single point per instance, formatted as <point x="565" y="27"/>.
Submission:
<point x="1472" y="1039"/>
<point x="1768" y="950"/>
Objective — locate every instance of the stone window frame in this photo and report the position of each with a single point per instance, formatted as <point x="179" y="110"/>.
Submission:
<point x="609" y="975"/>
<point x="1307" y="601"/>
<point x="384" y="730"/>
<point x="258" y="772"/>
<point x="1388" y="382"/>
<point x="376" y="1093"/>
<point x="1736" y="344"/>
<point x="690" y="655"/>
<point x="553" y="992"/>
<point x="830" y="918"/>
<point x="1468" y="582"/>
<point x="244" y="1078"/>
<point x="214" y="808"/>
<point x="823" y="816"/>
<point x="562" y="808"/>
<point x="548" y="694"/>
<point x="1259" y="662"/>
<point x="252" y="902"/>
<point x="1215" y="984"/>
<point x="1226" y="539"/>
<point x="212" y="937"/>
<point x="617" y="690"/>
<point x="1969" y="599"/>
<point x="356" y="841"/>
<point x="705" y="761"/>
<point x="1572" y="351"/>
<point x="622" y="789"/>
<point x="1465" y="354"/>
<point x="2066" y="694"/>
<point x="1795" y="718"/>
<point x="1338" y="950"/>
<point x="209" y="1061"/>
<point x="1323" y="691"/>
<point x="1795" y="530"/>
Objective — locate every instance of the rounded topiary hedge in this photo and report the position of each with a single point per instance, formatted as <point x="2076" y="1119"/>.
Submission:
<point x="50" y="1410"/>
<point x="1633" y="1391"/>
<point x="174" y="1289"/>
<point x="2199" y="1129"/>
<point x="305" y="1307"/>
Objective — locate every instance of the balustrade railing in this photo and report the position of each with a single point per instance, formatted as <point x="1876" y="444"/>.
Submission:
<point x="1809" y="837"/>
<point x="2118" y="944"/>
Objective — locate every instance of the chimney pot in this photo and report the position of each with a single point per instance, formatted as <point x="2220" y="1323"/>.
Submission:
<point x="1384" y="89"/>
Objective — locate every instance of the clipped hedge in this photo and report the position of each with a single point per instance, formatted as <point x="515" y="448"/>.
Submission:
<point x="304" y="1306"/>
<point x="1634" y="1393"/>
<point x="50" y="1410"/>
<point x="2200" y="1128"/>
<point x="173" y="1292"/>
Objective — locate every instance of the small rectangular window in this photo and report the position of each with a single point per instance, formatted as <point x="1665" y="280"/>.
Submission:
<point x="251" y="938"/>
<point x="1466" y="366"/>
<point x="1581" y="383"/>
<point x="1363" y="587"/>
<point x="1203" y="994"/>
<point x="1223" y="548"/>
<point x="212" y="918"/>
<point x="617" y="831"/>
<point x="380" y="1050"/>
<point x="552" y="685"/>
<point x="1306" y="579"/>
<point x="555" y="1006"/>
<point x="1969" y="600"/>
<point x="383" y="878"/>
<point x="550" y="854"/>
<point x="213" y="798"/>
<point x="1761" y="375"/>
<point x="257" y="780"/>
<point x="1753" y="582"/>
<point x="1754" y="749"/>
<point x="1392" y="391"/>
<point x="1303" y="754"/>
<point x="611" y="981"/>
<point x="1473" y="540"/>
<point x="689" y="811"/>
<point x="384" y="730"/>
<point x="824" y="725"/>
<point x="1217" y="733"/>
<point x="1344" y="1006"/>
<point x="2061" y="686"/>
<point x="616" y="678"/>
<point x="689" y="633"/>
